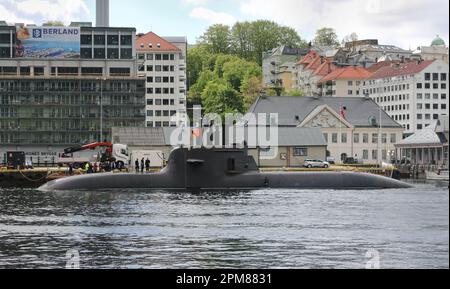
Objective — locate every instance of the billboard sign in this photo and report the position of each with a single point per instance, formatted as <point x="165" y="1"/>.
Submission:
<point x="48" y="42"/>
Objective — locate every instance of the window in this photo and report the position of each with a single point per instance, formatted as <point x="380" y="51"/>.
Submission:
<point x="150" y="113"/>
<point x="158" y="68"/>
<point x="350" y="83"/>
<point x="419" y="96"/>
<point x="419" y="126"/>
<point x="419" y="106"/>
<point x="300" y="152"/>
<point x="158" y="79"/>
<point x="141" y="56"/>
<point x="149" y="67"/>
<point x="325" y="136"/>
<point x="350" y="92"/>
<point x="165" y="56"/>
<point x="444" y="106"/>
<point x="419" y="116"/>
<point x="427" y="85"/>
<point x="99" y="39"/>
<point x="157" y="56"/>
<point x="158" y="113"/>
<point x="149" y="56"/>
<point x="126" y="53"/>
<point x="149" y="101"/>
<point x="344" y="138"/>
<point x="125" y="39"/>
<point x="365" y="154"/>
<point x="374" y="138"/>
<point x="443" y="96"/>
<point x="150" y="79"/>
<point x="435" y="76"/>
<point x="113" y="39"/>
<point x="356" y="138"/>
<point x="384" y="138"/>
<point x="393" y="138"/>
<point x="150" y="90"/>
<point x="443" y="76"/>
<point x="99" y="53"/>
<point x="427" y="76"/>
<point x="419" y="85"/>
<point x="334" y="138"/>
<point x="158" y="102"/>
<point x="443" y="86"/>
<point x="172" y="57"/>
<point x="366" y="138"/>
<point x="374" y="154"/>
<point x="384" y="154"/>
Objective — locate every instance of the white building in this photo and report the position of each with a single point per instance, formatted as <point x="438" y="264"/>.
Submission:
<point x="413" y="93"/>
<point x="437" y="50"/>
<point x="163" y="64"/>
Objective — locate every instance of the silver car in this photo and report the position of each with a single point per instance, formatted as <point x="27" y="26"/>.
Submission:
<point x="316" y="164"/>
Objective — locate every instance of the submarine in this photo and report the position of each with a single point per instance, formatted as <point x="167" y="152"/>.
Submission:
<point x="221" y="169"/>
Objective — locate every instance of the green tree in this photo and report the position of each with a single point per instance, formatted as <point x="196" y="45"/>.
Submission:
<point x="326" y="37"/>
<point x="294" y="92"/>
<point x="217" y="38"/>
<point x="219" y="97"/>
<point x="53" y="23"/>
<point x="197" y="57"/>
<point x="195" y="93"/>
<point x="251" y="89"/>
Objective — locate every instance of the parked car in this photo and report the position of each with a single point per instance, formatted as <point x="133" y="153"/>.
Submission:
<point x="316" y="164"/>
<point x="351" y="161"/>
<point x="331" y="160"/>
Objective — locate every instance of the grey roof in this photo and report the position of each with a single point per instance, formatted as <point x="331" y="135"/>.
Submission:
<point x="175" y="39"/>
<point x="426" y="137"/>
<point x="142" y="136"/>
<point x="293" y="110"/>
<point x="293" y="136"/>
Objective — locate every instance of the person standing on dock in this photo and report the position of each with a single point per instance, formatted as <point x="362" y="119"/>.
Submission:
<point x="147" y="165"/>
<point x="136" y="165"/>
<point x="142" y="165"/>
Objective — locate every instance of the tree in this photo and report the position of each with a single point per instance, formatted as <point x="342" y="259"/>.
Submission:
<point x="294" y="92"/>
<point x="197" y="57"/>
<point x="217" y="38"/>
<point x="219" y="97"/>
<point x="326" y="37"/>
<point x="251" y="89"/>
<point x="350" y="38"/>
<point x="53" y="23"/>
<point x="236" y="71"/>
<point x="195" y="93"/>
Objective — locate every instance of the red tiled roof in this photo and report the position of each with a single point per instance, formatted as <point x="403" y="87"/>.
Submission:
<point x="309" y="57"/>
<point x="315" y="63"/>
<point x="349" y="72"/>
<point x="408" y="68"/>
<point x="374" y="68"/>
<point x="325" y="68"/>
<point x="150" y="41"/>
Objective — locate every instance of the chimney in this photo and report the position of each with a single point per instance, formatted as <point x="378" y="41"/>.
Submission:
<point x="102" y="11"/>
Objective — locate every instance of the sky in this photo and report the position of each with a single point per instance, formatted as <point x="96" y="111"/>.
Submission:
<point x="405" y="23"/>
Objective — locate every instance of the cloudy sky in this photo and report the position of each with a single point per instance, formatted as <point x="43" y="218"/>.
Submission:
<point x="406" y="23"/>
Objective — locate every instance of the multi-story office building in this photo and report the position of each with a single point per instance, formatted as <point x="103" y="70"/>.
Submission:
<point x="413" y="93"/>
<point x="66" y="89"/>
<point x="163" y="66"/>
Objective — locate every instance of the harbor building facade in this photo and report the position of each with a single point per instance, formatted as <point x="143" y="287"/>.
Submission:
<point x="162" y="64"/>
<point x="414" y="93"/>
<point x="55" y="97"/>
<point x="353" y="127"/>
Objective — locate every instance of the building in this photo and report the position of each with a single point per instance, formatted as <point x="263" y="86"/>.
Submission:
<point x="366" y="53"/>
<point x="413" y="93"/>
<point x="344" y="81"/>
<point x="163" y="66"/>
<point x="273" y="61"/>
<point x="437" y="50"/>
<point x="70" y="90"/>
<point x="428" y="146"/>
<point x="310" y="70"/>
<point x="102" y="13"/>
<point x="295" y="145"/>
<point x="352" y="127"/>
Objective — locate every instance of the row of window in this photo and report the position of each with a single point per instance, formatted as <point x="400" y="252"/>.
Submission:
<point x="396" y="107"/>
<point x="386" y="89"/>
<point x="428" y="106"/>
<point x="435" y="76"/>
<point x="158" y="68"/>
<point x="161" y="113"/>
<point x="428" y="96"/>
<point x="161" y="124"/>
<point x="159" y="79"/>
<point x="156" y="56"/>
<point x="86" y="39"/>
<point x="427" y="116"/>
<point x="160" y="102"/>
<point x="364" y="138"/>
<point x="401" y="117"/>
<point x="389" y="98"/>
<point x="428" y="85"/>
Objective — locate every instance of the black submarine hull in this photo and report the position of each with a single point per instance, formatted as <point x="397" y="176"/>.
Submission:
<point x="222" y="169"/>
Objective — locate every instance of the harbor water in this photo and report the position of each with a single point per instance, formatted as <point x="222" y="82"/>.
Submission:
<point x="264" y="229"/>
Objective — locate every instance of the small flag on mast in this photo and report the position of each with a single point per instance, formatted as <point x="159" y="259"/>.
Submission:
<point x="343" y="111"/>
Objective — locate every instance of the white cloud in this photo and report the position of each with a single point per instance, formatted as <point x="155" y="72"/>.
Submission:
<point x="43" y="10"/>
<point x="401" y="22"/>
<point x="212" y="17"/>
